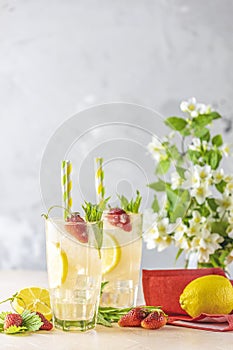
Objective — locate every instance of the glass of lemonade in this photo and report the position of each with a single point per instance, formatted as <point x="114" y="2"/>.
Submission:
<point x="121" y="253"/>
<point x="74" y="272"/>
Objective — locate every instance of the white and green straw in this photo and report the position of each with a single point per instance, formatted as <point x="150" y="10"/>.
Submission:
<point x="66" y="182"/>
<point x="99" y="180"/>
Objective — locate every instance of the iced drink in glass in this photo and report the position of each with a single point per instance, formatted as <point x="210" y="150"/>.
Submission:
<point x="121" y="252"/>
<point x="74" y="272"/>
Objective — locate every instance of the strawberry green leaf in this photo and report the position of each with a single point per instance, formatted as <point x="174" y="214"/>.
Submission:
<point x="15" y="329"/>
<point x="31" y="321"/>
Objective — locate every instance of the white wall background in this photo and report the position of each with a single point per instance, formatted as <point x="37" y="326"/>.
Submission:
<point x="59" y="56"/>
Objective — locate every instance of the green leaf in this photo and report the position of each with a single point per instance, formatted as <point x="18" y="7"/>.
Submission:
<point x="181" y="206"/>
<point x="219" y="227"/>
<point x="155" y="204"/>
<point x="214" y="158"/>
<point x="176" y="123"/>
<point x="173" y="152"/>
<point x="180" y="251"/>
<point x="181" y="171"/>
<point x="185" y="132"/>
<point x="15" y="329"/>
<point x="163" y="167"/>
<point x="98" y="232"/>
<point x="131" y="206"/>
<point x="31" y="321"/>
<point x="217" y="140"/>
<point x="202" y="133"/>
<point x="212" y="204"/>
<point x="194" y="156"/>
<point x="158" y="186"/>
<point x="215" y="115"/>
<point x="93" y="212"/>
<point x="204" y="211"/>
<point x="102" y="321"/>
<point x="203" y="120"/>
<point x="221" y="186"/>
<point x="172" y="196"/>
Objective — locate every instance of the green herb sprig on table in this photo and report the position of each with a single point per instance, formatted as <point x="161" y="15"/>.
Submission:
<point x="131" y="206"/>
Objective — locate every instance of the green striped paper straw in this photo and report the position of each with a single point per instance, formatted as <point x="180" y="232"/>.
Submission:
<point x="99" y="179"/>
<point x="66" y="182"/>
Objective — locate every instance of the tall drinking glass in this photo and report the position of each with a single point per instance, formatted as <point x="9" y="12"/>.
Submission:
<point x="122" y="249"/>
<point x="74" y="272"/>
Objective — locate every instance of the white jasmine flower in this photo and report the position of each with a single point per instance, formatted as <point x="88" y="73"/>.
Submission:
<point x="230" y="231"/>
<point x="206" y="244"/>
<point x="229" y="259"/>
<point x="157" y="150"/>
<point x="176" y="180"/>
<point x="192" y="178"/>
<point x="225" y="204"/>
<point x="229" y="188"/>
<point x="204" y="109"/>
<point x="193" y="230"/>
<point x="226" y="149"/>
<point x="157" y="235"/>
<point x="197" y="219"/>
<point x="228" y="178"/>
<point x="195" y="145"/>
<point x="201" y="193"/>
<point x="180" y="228"/>
<point x="182" y="242"/>
<point x="218" y="175"/>
<point x="205" y="172"/>
<point x="149" y="217"/>
<point x="190" y="106"/>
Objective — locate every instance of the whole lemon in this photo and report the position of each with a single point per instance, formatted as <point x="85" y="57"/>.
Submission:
<point x="211" y="294"/>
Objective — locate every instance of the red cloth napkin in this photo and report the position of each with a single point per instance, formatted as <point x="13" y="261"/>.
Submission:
<point x="164" y="287"/>
<point x="216" y="323"/>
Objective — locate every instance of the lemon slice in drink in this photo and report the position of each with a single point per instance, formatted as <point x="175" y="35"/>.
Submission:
<point x="33" y="299"/>
<point x="111" y="253"/>
<point x="57" y="263"/>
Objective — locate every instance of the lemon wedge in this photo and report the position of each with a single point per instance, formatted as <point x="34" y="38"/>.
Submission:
<point x="57" y="263"/>
<point x="111" y="253"/>
<point x="33" y="299"/>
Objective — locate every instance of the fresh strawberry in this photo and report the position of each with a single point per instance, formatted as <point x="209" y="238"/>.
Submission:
<point x="118" y="217"/>
<point x="154" y="320"/>
<point x="78" y="230"/>
<point x="133" y="318"/>
<point x="46" y="326"/>
<point x="12" y="320"/>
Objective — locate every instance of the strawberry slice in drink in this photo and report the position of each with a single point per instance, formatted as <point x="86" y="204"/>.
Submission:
<point x="119" y="218"/>
<point x="77" y="227"/>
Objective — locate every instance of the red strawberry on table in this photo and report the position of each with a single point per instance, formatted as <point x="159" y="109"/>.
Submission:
<point x="154" y="320"/>
<point x="78" y="227"/>
<point x="119" y="218"/>
<point x="12" y="320"/>
<point x="134" y="317"/>
<point x="46" y="326"/>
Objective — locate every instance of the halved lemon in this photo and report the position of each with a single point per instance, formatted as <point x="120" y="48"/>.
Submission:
<point x="33" y="299"/>
<point x="111" y="253"/>
<point x="57" y="263"/>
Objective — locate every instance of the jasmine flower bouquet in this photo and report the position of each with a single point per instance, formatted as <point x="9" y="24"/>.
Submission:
<point x="197" y="211"/>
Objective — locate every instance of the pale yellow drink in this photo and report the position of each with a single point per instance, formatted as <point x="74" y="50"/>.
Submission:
<point x="74" y="274"/>
<point x="121" y="262"/>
